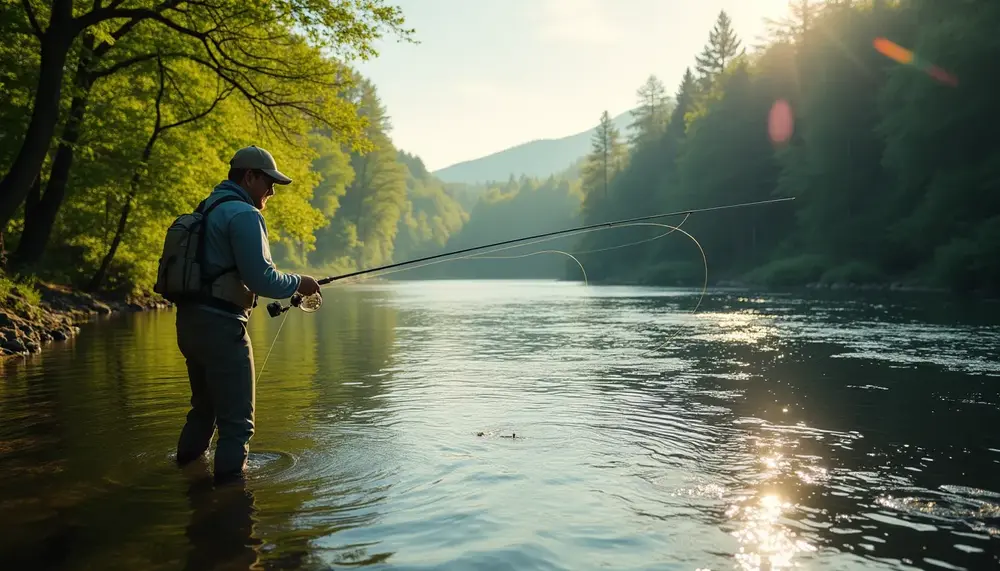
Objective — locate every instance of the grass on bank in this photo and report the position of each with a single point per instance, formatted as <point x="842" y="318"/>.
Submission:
<point x="19" y="295"/>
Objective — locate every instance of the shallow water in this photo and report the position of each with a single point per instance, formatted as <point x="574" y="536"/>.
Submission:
<point x="764" y="432"/>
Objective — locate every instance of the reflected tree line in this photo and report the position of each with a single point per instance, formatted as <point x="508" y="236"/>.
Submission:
<point x="86" y="472"/>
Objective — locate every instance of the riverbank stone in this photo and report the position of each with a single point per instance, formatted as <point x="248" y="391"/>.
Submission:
<point x="25" y="328"/>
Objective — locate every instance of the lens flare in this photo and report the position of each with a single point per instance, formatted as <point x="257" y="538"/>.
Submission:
<point x="780" y="122"/>
<point x="904" y="56"/>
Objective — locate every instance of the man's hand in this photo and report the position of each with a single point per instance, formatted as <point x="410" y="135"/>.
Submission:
<point x="308" y="286"/>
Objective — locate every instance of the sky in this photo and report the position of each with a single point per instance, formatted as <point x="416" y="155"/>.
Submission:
<point x="490" y="74"/>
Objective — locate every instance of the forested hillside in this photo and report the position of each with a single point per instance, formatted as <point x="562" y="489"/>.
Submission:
<point x="891" y="162"/>
<point x="518" y="208"/>
<point x="894" y="167"/>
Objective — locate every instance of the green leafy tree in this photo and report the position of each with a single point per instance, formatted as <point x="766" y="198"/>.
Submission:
<point x="430" y="216"/>
<point x="363" y="232"/>
<point x="235" y="40"/>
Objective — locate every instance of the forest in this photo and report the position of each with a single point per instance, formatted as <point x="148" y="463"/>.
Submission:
<point x="115" y="119"/>
<point x="891" y="162"/>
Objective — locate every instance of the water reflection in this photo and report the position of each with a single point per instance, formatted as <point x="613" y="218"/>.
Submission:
<point x="221" y="528"/>
<point x="767" y="432"/>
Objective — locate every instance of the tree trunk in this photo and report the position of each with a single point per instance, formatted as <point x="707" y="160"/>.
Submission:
<point x="40" y="218"/>
<point x="101" y="273"/>
<point x="147" y="152"/>
<point x="56" y="42"/>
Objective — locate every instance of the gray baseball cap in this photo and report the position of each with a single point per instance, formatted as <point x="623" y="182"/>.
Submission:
<point x="254" y="157"/>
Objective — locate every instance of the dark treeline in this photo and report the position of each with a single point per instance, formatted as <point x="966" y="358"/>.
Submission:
<point x="894" y="173"/>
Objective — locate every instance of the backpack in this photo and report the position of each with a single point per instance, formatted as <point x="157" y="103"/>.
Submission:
<point x="181" y="275"/>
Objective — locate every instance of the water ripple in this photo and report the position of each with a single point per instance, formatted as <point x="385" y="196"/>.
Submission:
<point x="525" y="425"/>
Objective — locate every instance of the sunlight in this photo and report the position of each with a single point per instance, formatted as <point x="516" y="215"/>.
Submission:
<point x="743" y="327"/>
<point x="764" y="543"/>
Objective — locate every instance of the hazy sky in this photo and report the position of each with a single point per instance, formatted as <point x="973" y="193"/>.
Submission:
<point x="490" y="74"/>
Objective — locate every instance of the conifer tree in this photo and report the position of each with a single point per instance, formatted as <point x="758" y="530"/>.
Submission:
<point x="722" y="48"/>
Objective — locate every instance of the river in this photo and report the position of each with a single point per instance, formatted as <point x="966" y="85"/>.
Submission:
<point x="764" y="431"/>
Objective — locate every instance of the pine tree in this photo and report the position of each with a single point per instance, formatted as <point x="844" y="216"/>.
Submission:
<point x="650" y="117"/>
<point x="685" y="101"/>
<point x="793" y="28"/>
<point x="607" y="157"/>
<point x="723" y="46"/>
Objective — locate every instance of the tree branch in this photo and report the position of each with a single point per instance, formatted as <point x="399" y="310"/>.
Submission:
<point x="159" y="97"/>
<point x="263" y="107"/>
<point x="31" y="18"/>
<point x="180" y="93"/>
<point x="128" y="63"/>
<point x="112" y="12"/>
<point x="127" y="26"/>
<point x="222" y="96"/>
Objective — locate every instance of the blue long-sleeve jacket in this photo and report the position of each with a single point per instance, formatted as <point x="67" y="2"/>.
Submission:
<point x="236" y="235"/>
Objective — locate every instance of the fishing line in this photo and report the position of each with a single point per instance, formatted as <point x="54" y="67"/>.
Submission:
<point x="547" y="238"/>
<point x="566" y="232"/>
<point x="672" y="229"/>
<point x="704" y="259"/>
<point x="372" y="275"/>
<point x="572" y="256"/>
<point x="471" y="255"/>
<point x="271" y="348"/>
<point x="275" y="308"/>
<point x="358" y="276"/>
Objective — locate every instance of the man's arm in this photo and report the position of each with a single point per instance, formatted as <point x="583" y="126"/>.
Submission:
<point x="248" y="237"/>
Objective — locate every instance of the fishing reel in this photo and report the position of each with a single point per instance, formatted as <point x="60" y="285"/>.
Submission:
<point x="308" y="304"/>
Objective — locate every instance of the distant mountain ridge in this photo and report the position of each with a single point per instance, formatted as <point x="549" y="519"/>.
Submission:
<point x="539" y="158"/>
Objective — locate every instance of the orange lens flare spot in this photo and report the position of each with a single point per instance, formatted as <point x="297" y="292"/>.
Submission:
<point x="893" y="51"/>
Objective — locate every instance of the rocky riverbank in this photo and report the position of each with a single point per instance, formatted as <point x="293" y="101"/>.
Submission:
<point x="32" y="317"/>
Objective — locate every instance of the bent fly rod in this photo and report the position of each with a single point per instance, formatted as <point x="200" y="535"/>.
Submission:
<point x="275" y="308"/>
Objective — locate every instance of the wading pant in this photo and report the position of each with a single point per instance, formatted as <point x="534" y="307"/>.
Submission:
<point x="221" y="371"/>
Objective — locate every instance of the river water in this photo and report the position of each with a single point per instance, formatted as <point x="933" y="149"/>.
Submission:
<point x="764" y="431"/>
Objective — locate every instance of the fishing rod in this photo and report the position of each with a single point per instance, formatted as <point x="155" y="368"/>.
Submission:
<point x="275" y="308"/>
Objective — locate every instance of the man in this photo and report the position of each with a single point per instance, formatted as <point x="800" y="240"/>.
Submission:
<point x="212" y="334"/>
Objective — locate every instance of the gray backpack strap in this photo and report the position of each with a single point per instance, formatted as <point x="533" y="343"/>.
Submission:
<point x="201" y="243"/>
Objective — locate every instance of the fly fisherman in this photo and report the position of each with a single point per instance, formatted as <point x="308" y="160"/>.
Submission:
<point x="234" y="268"/>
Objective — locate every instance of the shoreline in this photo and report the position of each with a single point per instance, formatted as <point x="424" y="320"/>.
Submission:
<point x="26" y="328"/>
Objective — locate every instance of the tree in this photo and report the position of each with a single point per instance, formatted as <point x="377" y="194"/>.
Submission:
<point x="940" y="152"/>
<point x="160" y="126"/>
<point x="794" y="27"/>
<point x="729" y="158"/>
<point x="234" y="39"/>
<point x="650" y="116"/>
<point x="607" y="157"/>
<point x="363" y="232"/>
<point x="430" y="216"/>
<point x="723" y="46"/>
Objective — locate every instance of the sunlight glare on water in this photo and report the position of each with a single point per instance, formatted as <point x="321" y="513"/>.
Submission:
<point x="526" y="425"/>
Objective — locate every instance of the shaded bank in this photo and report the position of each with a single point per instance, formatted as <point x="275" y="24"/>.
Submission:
<point x="33" y="316"/>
